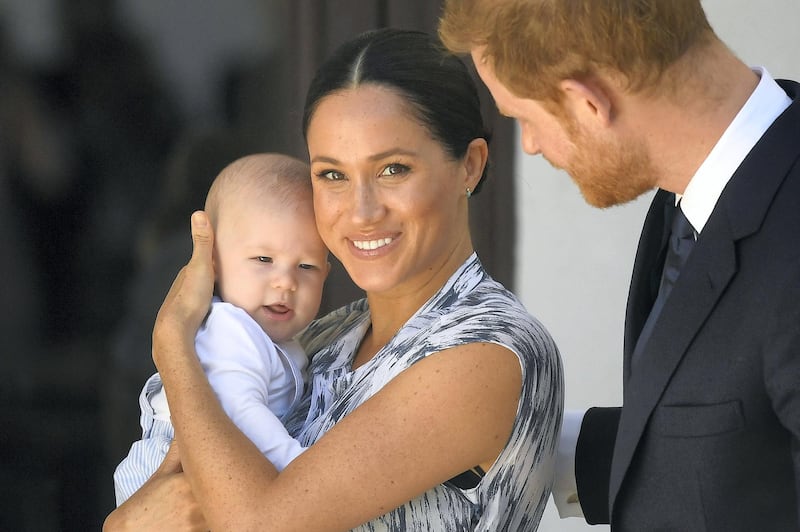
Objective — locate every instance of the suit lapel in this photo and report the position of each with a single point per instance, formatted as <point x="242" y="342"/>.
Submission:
<point x="647" y="267"/>
<point x="739" y="213"/>
<point x="703" y="279"/>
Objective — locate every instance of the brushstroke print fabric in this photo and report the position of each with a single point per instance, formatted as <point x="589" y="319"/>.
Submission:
<point x="471" y="307"/>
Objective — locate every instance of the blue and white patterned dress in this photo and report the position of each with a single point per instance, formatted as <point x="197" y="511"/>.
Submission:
<point x="470" y="307"/>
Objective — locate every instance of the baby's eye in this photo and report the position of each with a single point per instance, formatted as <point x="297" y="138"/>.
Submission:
<point x="331" y="175"/>
<point x="394" y="169"/>
<point x="264" y="259"/>
<point x="307" y="267"/>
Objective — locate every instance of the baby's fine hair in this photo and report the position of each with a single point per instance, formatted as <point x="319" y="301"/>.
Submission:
<point x="262" y="177"/>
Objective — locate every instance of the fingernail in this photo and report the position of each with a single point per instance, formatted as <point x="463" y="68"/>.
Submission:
<point x="198" y="219"/>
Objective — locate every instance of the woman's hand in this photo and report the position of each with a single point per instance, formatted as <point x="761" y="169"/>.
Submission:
<point x="188" y="299"/>
<point x="165" y="502"/>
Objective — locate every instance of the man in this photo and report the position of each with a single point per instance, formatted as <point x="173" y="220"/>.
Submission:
<point x="630" y="96"/>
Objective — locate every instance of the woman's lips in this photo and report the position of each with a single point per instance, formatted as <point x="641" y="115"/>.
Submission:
<point x="372" y="247"/>
<point x="372" y="244"/>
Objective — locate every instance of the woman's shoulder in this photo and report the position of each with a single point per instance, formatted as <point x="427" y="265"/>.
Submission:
<point x="490" y="311"/>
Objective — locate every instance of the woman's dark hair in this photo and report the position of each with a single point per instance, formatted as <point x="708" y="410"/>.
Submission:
<point x="436" y="84"/>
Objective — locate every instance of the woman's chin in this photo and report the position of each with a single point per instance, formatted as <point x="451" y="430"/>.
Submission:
<point x="372" y="281"/>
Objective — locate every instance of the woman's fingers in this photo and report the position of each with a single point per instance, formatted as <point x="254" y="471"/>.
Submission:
<point x="203" y="241"/>
<point x="198" y="276"/>
<point x="189" y="297"/>
<point x="165" y="502"/>
<point x="172" y="460"/>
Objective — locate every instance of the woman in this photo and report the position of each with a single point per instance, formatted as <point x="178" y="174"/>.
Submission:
<point x="438" y="376"/>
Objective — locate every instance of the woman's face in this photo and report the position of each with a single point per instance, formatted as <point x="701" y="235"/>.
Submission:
<point x="389" y="200"/>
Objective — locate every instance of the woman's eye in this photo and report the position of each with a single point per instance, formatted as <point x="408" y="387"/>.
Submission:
<point x="394" y="169"/>
<point x="331" y="175"/>
<point x="264" y="259"/>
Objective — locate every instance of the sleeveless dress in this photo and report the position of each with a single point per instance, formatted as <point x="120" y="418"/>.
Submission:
<point x="470" y="307"/>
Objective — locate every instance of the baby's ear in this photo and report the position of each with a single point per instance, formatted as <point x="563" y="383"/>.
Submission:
<point x="214" y="265"/>
<point x="215" y="268"/>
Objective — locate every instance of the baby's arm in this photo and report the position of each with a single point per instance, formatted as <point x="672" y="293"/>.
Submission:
<point x="246" y="371"/>
<point x="146" y="454"/>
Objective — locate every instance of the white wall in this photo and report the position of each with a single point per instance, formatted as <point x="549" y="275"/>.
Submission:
<point x="574" y="261"/>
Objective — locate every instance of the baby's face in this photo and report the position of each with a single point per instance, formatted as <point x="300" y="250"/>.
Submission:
<point x="271" y="262"/>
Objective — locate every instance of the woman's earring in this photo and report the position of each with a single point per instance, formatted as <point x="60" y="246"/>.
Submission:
<point x="469" y="193"/>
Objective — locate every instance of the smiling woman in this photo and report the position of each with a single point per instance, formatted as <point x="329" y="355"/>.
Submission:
<point x="435" y="402"/>
<point x="389" y="199"/>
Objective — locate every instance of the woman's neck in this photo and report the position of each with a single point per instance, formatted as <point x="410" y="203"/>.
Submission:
<point x="389" y="311"/>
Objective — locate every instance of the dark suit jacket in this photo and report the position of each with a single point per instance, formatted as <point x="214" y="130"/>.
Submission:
<point x="709" y="434"/>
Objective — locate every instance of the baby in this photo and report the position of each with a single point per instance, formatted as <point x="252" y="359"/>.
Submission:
<point x="270" y="266"/>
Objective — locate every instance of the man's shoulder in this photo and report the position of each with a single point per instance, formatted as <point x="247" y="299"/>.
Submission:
<point x="791" y="87"/>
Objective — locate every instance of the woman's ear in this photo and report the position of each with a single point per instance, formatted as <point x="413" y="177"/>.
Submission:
<point x="475" y="161"/>
<point x="588" y="101"/>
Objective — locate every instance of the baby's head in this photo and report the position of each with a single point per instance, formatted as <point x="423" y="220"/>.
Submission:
<point x="268" y="257"/>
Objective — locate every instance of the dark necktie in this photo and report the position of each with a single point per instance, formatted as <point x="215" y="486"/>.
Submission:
<point x="681" y="242"/>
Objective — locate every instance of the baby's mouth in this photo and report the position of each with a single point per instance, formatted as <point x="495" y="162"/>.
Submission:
<point x="278" y="308"/>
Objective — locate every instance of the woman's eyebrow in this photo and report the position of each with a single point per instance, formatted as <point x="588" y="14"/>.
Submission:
<point x="375" y="157"/>
<point x="324" y="159"/>
<point x="391" y="152"/>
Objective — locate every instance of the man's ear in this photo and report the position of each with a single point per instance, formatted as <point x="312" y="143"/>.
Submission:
<point x="587" y="101"/>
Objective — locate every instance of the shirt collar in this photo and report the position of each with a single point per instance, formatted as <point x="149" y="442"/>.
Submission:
<point x="766" y="103"/>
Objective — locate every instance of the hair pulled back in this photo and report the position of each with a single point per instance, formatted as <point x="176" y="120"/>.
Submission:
<point x="435" y="83"/>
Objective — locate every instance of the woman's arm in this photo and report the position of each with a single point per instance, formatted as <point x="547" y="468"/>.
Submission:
<point x="442" y="416"/>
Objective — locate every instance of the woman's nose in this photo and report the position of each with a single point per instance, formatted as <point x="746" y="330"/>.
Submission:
<point x="366" y="204"/>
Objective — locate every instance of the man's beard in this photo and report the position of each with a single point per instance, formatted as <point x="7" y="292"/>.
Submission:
<point x="609" y="172"/>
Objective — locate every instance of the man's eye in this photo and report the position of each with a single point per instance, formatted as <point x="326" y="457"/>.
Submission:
<point x="395" y="169"/>
<point x="264" y="259"/>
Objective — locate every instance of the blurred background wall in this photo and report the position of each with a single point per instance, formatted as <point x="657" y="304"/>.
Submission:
<point x="115" y="115"/>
